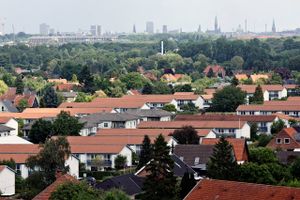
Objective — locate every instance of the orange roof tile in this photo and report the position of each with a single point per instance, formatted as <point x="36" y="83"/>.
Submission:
<point x="195" y="124"/>
<point x="241" y="77"/>
<point x="256" y="77"/>
<point x="46" y="193"/>
<point x="57" y="80"/>
<point x="250" y="89"/>
<point x="239" y="146"/>
<point x="4" y="120"/>
<point x="272" y="108"/>
<point x="99" y="148"/>
<point x="224" y="190"/>
<point x="19" y="158"/>
<point x="293" y="99"/>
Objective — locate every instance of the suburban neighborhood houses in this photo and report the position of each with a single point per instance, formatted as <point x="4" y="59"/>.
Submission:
<point x="165" y="113"/>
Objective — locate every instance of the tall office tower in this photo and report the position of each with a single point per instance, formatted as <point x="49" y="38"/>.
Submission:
<point x="93" y="30"/>
<point x="165" y="29"/>
<point x="44" y="29"/>
<point x="274" y="27"/>
<point x="150" y="27"/>
<point x="246" y="26"/>
<point x="199" y="29"/>
<point x="216" y="24"/>
<point x="99" y="30"/>
<point x="134" y="29"/>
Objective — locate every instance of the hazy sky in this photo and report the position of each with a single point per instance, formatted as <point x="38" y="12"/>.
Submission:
<point x="120" y="15"/>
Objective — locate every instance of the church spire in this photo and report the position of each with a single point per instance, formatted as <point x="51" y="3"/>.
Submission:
<point x="134" y="29"/>
<point x="274" y="27"/>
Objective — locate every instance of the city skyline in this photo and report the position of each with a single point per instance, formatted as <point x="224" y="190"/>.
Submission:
<point x="119" y="16"/>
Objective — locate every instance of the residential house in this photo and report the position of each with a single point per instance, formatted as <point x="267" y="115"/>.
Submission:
<point x="237" y="129"/>
<point x="292" y="89"/>
<point x="240" y="147"/>
<point x="257" y="77"/>
<point x="195" y="156"/>
<point x="129" y="183"/>
<point x="7" y="106"/>
<point x="11" y="123"/>
<point x="151" y="114"/>
<point x="270" y="92"/>
<point x="180" y="167"/>
<point x="218" y="71"/>
<point x="89" y="155"/>
<point x="118" y="105"/>
<point x="5" y="130"/>
<point x="134" y="142"/>
<point x="207" y="133"/>
<point x="58" y="81"/>
<point x="241" y="77"/>
<point x="68" y="96"/>
<point x="133" y="92"/>
<point x="233" y="190"/>
<point x="172" y="79"/>
<point x="263" y="122"/>
<point x="13" y="139"/>
<point x="266" y="109"/>
<point x="287" y="139"/>
<point x="94" y="122"/>
<point x="60" y="179"/>
<point x="21" y="152"/>
<point x="7" y="181"/>
<point x="207" y="100"/>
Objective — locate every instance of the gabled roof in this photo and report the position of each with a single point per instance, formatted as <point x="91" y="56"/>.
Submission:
<point x="46" y="193"/>
<point x="241" y="77"/>
<point x="2" y="167"/>
<point x="256" y="77"/>
<point x="4" y="120"/>
<point x="274" y="108"/>
<point x="129" y="183"/>
<point x="293" y="99"/>
<point x="224" y="190"/>
<point x="19" y="148"/>
<point x="66" y="86"/>
<point x="110" y="139"/>
<point x="150" y="113"/>
<point x="282" y="103"/>
<point x="226" y="117"/>
<point x="30" y="98"/>
<point x="143" y="132"/>
<point x="188" y="153"/>
<point x="98" y="148"/>
<point x="291" y="133"/>
<point x="215" y="68"/>
<point x="240" y="147"/>
<point x="250" y="89"/>
<point x="60" y="80"/>
<point x="195" y="124"/>
<point x="13" y="139"/>
<point x="4" y="128"/>
<point x="9" y="106"/>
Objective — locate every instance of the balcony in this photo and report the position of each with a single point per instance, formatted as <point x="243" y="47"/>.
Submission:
<point x="103" y="163"/>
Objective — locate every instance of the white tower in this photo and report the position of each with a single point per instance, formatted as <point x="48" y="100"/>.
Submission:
<point x="162" y="47"/>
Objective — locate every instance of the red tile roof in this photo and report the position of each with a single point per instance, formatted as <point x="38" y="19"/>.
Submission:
<point x="226" y="117"/>
<point x="291" y="86"/>
<point x="250" y="89"/>
<point x="241" y="77"/>
<point x="273" y="108"/>
<point x="195" y="124"/>
<point x="98" y="148"/>
<point x="293" y="99"/>
<point x="18" y="152"/>
<point x="143" y="132"/>
<point x="210" y="189"/>
<point x="239" y="146"/>
<point x="282" y="103"/>
<point x="215" y="68"/>
<point x="30" y="98"/>
<point x="46" y="193"/>
<point x="256" y="77"/>
<point x="2" y="167"/>
<point x="57" y="80"/>
<point x="10" y="94"/>
<point x="66" y="87"/>
<point x="283" y="134"/>
<point x="4" y="120"/>
<point x="19" y="158"/>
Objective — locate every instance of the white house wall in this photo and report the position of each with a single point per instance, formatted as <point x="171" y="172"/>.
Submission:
<point x="7" y="182"/>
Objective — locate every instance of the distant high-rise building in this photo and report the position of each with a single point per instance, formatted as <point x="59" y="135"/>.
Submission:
<point x="134" y="29"/>
<point x="51" y="31"/>
<point x="165" y="29"/>
<point x="44" y="29"/>
<point x="99" y="30"/>
<point x="2" y="25"/>
<point x="150" y="27"/>
<point x="93" y="30"/>
<point x="246" y="26"/>
<point x="199" y="29"/>
<point x="274" y="27"/>
<point x="216" y="24"/>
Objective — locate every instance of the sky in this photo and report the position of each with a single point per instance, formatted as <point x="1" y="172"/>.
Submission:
<point x="120" y="15"/>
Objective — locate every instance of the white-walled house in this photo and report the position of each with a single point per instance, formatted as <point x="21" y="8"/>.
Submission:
<point x="7" y="181"/>
<point x="237" y="129"/>
<point x="11" y="123"/>
<point x="105" y="153"/>
<point x="152" y="115"/>
<point x="7" y="106"/>
<point x="21" y="152"/>
<point x="98" y="121"/>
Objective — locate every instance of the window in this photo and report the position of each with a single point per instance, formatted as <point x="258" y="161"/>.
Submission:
<point x="231" y="130"/>
<point x="2" y="108"/>
<point x="197" y="160"/>
<point x="105" y="124"/>
<point x="251" y="112"/>
<point x="278" y="140"/>
<point x="286" y="140"/>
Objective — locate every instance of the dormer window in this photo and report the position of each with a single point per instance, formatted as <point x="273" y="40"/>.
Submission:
<point x="197" y="160"/>
<point x="287" y="141"/>
<point x="278" y="141"/>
